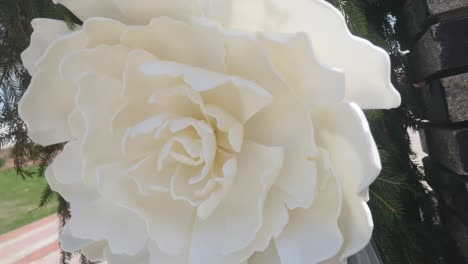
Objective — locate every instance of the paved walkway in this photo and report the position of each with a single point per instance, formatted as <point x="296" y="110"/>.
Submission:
<point x="35" y="243"/>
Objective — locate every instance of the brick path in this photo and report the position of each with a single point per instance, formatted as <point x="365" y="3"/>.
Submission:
<point x="35" y="243"/>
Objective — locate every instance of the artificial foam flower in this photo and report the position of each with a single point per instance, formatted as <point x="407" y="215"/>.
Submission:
<point x="210" y="131"/>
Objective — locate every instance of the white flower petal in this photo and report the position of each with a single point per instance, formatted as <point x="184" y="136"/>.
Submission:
<point x="97" y="114"/>
<point x="103" y="31"/>
<point x="45" y="31"/>
<point x="61" y="47"/>
<point x="224" y="171"/>
<point x="67" y="166"/>
<point x="275" y="218"/>
<point x="149" y="179"/>
<point x="85" y="9"/>
<point x="314" y="83"/>
<point x="69" y="243"/>
<point x="239" y="97"/>
<point x="159" y="257"/>
<point x="167" y="39"/>
<point x="298" y="178"/>
<point x="112" y="258"/>
<point x="177" y="100"/>
<point x="168" y="221"/>
<point x="95" y="251"/>
<point x="246" y="57"/>
<point x="208" y="237"/>
<point x="356" y="226"/>
<point x="142" y="11"/>
<point x="77" y="124"/>
<point x="140" y="140"/>
<point x="230" y="132"/>
<point x="47" y="123"/>
<point x="285" y="122"/>
<point x="312" y="235"/>
<point x="138" y="89"/>
<point x="366" y="67"/>
<point x="258" y="168"/>
<point x="105" y="60"/>
<point x="77" y="193"/>
<point x="343" y="131"/>
<point x="215" y="88"/>
<point x="269" y="256"/>
<point x="124" y="230"/>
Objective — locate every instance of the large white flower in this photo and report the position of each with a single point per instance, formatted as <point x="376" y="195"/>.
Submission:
<point x="221" y="132"/>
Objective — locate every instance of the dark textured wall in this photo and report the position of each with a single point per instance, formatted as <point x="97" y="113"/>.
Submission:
<point x="438" y="31"/>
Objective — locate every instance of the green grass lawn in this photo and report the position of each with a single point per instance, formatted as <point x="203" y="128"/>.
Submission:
<point x="19" y="200"/>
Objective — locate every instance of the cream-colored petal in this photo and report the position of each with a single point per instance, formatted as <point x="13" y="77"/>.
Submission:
<point x="70" y="243"/>
<point x="229" y="91"/>
<point x="112" y="258"/>
<point x="159" y="257"/>
<point x="168" y="39"/>
<point x="61" y="47"/>
<point x="366" y="67"/>
<point x="47" y="124"/>
<point x="142" y="11"/>
<point x="275" y="218"/>
<point x="284" y="122"/>
<point x="45" y="31"/>
<point x="68" y="165"/>
<point x="138" y="89"/>
<point x="177" y="100"/>
<point x="298" y="178"/>
<point x="102" y="60"/>
<point x="77" y="124"/>
<point x="140" y="141"/>
<point x="230" y="132"/>
<point x="103" y="31"/>
<point x="344" y="132"/>
<point x="95" y="251"/>
<point x="269" y="256"/>
<point x="356" y="225"/>
<point x="124" y="230"/>
<point x="239" y="97"/>
<point x="149" y="179"/>
<point x="224" y="171"/>
<point x="258" y="168"/>
<point x="246" y="57"/>
<point x="208" y="237"/>
<point x="208" y="142"/>
<point x="98" y="98"/>
<point x="312" y="235"/>
<point x="314" y="83"/>
<point x="85" y="9"/>
<point x="167" y="222"/>
<point x="77" y="194"/>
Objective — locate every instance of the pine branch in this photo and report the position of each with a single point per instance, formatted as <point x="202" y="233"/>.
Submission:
<point x="46" y="196"/>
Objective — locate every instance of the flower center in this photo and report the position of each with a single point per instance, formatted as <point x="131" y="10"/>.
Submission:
<point x="193" y="152"/>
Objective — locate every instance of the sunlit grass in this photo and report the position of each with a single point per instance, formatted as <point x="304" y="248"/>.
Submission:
<point x="19" y="200"/>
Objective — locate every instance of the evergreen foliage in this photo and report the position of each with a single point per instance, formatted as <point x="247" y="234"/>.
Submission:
<point x="406" y="222"/>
